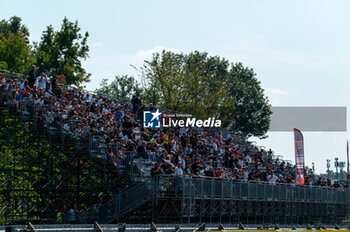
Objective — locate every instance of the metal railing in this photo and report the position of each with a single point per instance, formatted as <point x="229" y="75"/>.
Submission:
<point x="214" y="188"/>
<point x="9" y="74"/>
<point x="185" y="187"/>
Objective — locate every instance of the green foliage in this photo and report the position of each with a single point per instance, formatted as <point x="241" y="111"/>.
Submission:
<point x="61" y="52"/>
<point x="3" y="65"/>
<point x="206" y="87"/>
<point x="122" y="87"/>
<point x="252" y="109"/>
<point x="14" y="25"/>
<point x="15" y="52"/>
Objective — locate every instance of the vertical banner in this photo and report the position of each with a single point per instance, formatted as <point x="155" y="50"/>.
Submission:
<point x="299" y="156"/>
<point x="347" y="161"/>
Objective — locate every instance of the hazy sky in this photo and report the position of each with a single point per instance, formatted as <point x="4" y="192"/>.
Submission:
<point x="300" y="50"/>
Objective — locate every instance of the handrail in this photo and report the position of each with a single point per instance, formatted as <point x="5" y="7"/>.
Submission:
<point x="97" y="227"/>
<point x="31" y="227"/>
<point x="9" y="73"/>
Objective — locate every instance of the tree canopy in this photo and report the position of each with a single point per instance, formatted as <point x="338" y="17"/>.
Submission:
<point x="122" y="87"/>
<point x="61" y="52"/>
<point x="15" y="51"/>
<point x="14" y="25"/>
<point x="202" y="85"/>
<point x="208" y="86"/>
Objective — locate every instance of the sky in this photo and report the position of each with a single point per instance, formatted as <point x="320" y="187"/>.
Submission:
<point x="300" y="50"/>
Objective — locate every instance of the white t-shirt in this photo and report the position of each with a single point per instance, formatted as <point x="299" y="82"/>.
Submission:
<point x="178" y="171"/>
<point x="42" y="83"/>
<point x="272" y="179"/>
<point x="248" y="159"/>
<point x="21" y="86"/>
<point x="183" y="163"/>
<point x="245" y="176"/>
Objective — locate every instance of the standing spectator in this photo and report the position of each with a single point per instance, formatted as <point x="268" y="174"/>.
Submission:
<point x="54" y="84"/>
<point x="178" y="179"/>
<point x="42" y="82"/>
<point x="72" y="217"/>
<point x="31" y="77"/>
<point x="136" y="103"/>
<point x="59" y="216"/>
<point x="47" y="81"/>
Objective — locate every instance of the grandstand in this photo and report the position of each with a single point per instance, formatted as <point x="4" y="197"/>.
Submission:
<point x="105" y="174"/>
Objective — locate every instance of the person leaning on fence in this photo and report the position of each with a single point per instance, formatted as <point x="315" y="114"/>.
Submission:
<point x="156" y="172"/>
<point x="72" y="215"/>
<point x="272" y="178"/>
<point x="178" y="178"/>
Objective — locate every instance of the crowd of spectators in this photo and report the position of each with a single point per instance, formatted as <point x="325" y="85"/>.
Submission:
<point x="114" y="129"/>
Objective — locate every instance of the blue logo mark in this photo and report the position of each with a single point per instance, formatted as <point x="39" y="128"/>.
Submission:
<point x="151" y="119"/>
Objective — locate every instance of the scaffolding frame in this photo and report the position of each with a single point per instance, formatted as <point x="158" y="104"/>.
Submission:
<point x="64" y="174"/>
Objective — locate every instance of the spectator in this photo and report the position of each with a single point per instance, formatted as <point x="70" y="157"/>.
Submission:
<point x="42" y="82"/>
<point x="59" y="216"/>
<point x="272" y="178"/>
<point x="72" y="217"/>
<point x="2" y="79"/>
<point x="31" y="77"/>
<point x="136" y="103"/>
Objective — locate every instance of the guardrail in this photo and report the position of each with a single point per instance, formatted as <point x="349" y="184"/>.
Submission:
<point x="210" y="189"/>
<point x="9" y="74"/>
<point x="213" y="188"/>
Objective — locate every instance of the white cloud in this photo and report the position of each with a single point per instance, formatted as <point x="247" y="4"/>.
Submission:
<point x="276" y="91"/>
<point x="276" y="95"/>
<point x="147" y="54"/>
<point x="97" y="45"/>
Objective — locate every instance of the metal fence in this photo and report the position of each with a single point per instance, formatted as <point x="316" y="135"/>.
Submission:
<point x="212" y="188"/>
<point x="191" y="189"/>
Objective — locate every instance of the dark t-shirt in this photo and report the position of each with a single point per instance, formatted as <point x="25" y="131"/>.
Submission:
<point x="32" y="74"/>
<point x="251" y="176"/>
<point x="54" y="84"/>
<point x="155" y="171"/>
<point x="263" y="176"/>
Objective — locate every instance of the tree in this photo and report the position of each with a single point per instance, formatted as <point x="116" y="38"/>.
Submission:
<point x="61" y="52"/>
<point x="14" y="25"/>
<point x="3" y="65"/>
<point x="208" y="86"/>
<point x="252" y="109"/>
<point x="15" y="53"/>
<point x="122" y="87"/>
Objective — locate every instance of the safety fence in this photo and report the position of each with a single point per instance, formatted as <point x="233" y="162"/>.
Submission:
<point x="185" y="187"/>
